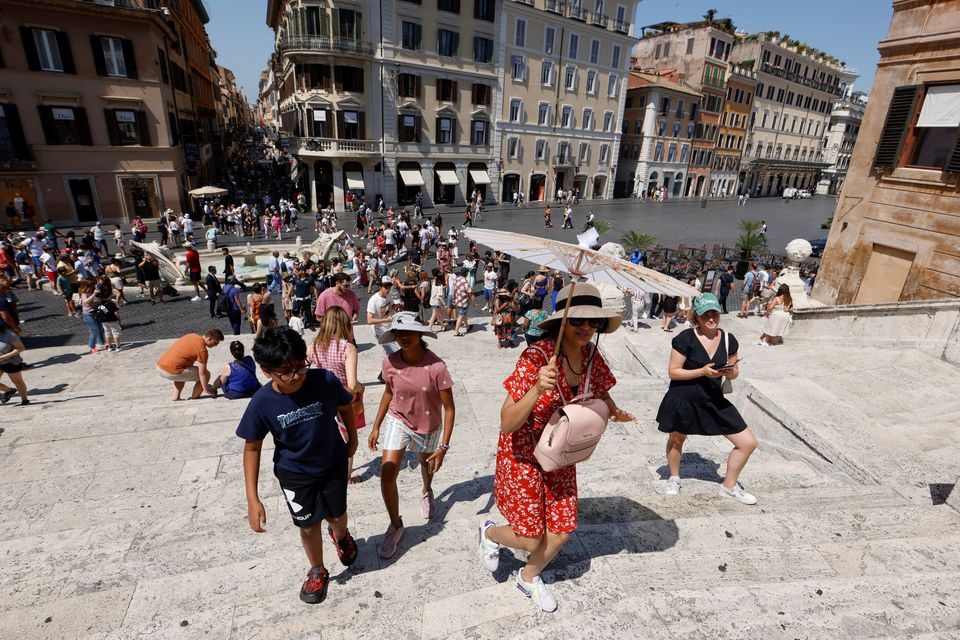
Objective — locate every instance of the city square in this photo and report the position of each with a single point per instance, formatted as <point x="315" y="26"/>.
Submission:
<point x="553" y="319"/>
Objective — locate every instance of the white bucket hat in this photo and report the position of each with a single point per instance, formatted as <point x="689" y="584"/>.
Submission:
<point x="405" y="321"/>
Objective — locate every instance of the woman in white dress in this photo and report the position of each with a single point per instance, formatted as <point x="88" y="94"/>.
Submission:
<point x="778" y="317"/>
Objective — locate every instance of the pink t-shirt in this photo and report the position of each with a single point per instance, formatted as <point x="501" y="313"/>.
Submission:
<point x="416" y="390"/>
<point x="330" y="298"/>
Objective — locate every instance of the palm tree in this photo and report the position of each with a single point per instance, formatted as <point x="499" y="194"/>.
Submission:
<point x="710" y="15"/>
<point x="749" y="239"/>
<point x="642" y="241"/>
<point x="603" y="226"/>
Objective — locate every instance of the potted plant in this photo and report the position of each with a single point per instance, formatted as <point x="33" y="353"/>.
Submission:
<point x="642" y="241"/>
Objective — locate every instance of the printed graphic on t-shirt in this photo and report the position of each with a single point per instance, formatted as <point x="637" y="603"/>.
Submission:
<point x="301" y="415"/>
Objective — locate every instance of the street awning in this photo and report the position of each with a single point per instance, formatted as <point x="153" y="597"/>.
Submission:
<point x="411" y="178"/>
<point x="479" y="176"/>
<point x="354" y="180"/>
<point x="448" y="176"/>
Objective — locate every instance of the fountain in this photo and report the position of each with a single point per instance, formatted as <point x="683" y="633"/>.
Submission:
<point x="249" y="257"/>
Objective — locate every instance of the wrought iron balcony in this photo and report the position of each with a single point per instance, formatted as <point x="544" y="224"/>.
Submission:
<point x="556" y="6"/>
<point x="621" y="26"/>
<point x="599" y="19"/>
<point x="325" y="43"/>
<point x="577" y="12"/>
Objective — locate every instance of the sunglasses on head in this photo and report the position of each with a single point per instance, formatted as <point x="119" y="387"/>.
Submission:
<point x="595" y="323"/>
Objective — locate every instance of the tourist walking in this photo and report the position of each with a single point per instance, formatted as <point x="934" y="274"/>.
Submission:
<point x="11" y="346"/>
<point x="310" y="461"/>
<point x="90" y="298"/>
<point x="668" y="306"/>
<point x="504" y="310"/>
<point x="339" y="295"/>
<point x="235" y="309"/>
<point x="418" y="390"/>
<point x="701" y="358"/>
<point x="462" y="297"/>
<point x="334" y="349"/>
<point x="489" y="285"/>
<point x="257" y="299"/>
<point x="726" y="284"/>
<point x="438" y="301"/>
<point x="541" y="506"/>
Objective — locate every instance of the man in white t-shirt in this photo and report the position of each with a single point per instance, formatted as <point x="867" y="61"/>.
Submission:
<point x="380" y="312"/>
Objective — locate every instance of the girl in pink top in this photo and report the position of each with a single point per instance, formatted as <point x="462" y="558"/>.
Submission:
<point x="333" y="350"/>
<point x="418" y="393"/>
<point x="275" y="223"/>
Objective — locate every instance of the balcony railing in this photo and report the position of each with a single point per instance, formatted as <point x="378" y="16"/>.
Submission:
<point x="766" y="67"/>
<point x="563" y="159"/>
<point x="599" y="19"/>
<point x="577" y="12"/>
<point x="334" y="145"/>
<point x="621" y="26"/>
<point x="556" y="6"/>
<point x="326" y="43"/>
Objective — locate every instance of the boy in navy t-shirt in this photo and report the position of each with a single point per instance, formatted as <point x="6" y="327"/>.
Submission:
<point x="299" y="408"/>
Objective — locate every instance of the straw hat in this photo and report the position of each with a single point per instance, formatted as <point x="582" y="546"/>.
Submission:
<point x="586" y="303"/>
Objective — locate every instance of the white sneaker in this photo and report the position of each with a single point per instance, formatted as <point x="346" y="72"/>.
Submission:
<point x="738" y="494"/>
<point x="195" y="299"/>
<point x="489" y="550"/>
<point x="672" y="487"/>
<point x="538" y="592"/>
<point x="760" y="343"/>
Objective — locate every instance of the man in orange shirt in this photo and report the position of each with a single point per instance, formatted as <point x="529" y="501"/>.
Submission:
<point x="177" y="362"/>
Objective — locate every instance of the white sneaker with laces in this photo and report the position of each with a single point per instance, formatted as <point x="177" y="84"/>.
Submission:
<point x="489" y="550"/>
<point x="195" y="299"/>
<point x="672" y="487"/>
<point x="538" y="592"/>
<point x="738" y="494"/>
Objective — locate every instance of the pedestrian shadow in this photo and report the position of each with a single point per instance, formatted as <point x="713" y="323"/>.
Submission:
<point x="32" y="392"/>
<point x="55" y="389"/>
<point x="42" y="342"/>
<point x="135" y="325"/>
<point x="695" y="466"/>
<point x="63" y="358"/>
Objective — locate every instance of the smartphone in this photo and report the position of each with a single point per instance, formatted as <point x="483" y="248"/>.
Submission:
<point x="728" y="366"/>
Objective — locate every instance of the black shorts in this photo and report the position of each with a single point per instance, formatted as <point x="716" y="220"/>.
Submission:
<point x="312" y="498"/>
<point x="194" y="276"/>
<point x="9" y="367"/>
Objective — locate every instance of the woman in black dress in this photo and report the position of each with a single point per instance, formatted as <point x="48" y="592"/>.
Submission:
<point x="695" y="405"/>
<point x="668" y="305"/>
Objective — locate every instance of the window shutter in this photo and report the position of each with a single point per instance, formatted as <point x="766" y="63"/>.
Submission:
<point x="476" y="10"/>
<point x="899" y="116"/>
<point x="336" y="23"/>
<point x="129" y="59"/>
<point x="953" y="162"/>
<point x="455" y="98"/>
<point x="416" y="87"/>
<point x="30" y="48"/>
<point x="437" y="129"/>
<point x="418" y="123"/>
<point x="341" y="126"/>
<point x="486" y="133"/>
<point x="96" y="45"/>
<point x="63" y="43"/>
<point x="112" y="130"/>
<point x="454" y="132"/>
<point x="143" y="129"/>
<point x="16" y="130"/>
<point x="363" y="125"/>
<point x="83" y="126"/>
<point x="358" y="26"/>
<point x="46" y="121"/>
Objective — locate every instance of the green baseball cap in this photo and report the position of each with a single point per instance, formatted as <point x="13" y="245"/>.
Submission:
<point x="705" y="302"/>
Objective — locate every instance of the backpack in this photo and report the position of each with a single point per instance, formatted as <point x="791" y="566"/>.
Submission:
<point x="224" y="305"/>
<point x="574" y="430"/>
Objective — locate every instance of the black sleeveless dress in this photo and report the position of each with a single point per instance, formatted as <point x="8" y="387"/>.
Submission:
<point x="698" y="406"/>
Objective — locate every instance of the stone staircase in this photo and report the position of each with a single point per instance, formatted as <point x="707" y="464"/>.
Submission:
<point x="125" y="518"/>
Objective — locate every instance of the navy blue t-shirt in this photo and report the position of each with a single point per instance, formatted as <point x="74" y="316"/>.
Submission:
<point x="305" y="433"/>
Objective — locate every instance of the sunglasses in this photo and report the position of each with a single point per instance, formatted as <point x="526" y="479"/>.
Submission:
<point x="290" y="374"/>
<point x="595" y="323"/>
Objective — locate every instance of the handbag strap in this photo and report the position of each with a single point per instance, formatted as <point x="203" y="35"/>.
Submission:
<point x="586" y="374"/>
<point x="726" y="350"/>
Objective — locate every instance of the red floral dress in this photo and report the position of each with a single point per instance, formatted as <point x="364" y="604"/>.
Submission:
<point x="531" y="499"/>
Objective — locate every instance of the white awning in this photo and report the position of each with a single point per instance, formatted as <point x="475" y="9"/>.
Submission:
<point x="479" y="176"/>
<point x="447" y="176"/>
<point x="411" y="178"/>
<point x="354" y="180"/>
<point x="941" y="106"/>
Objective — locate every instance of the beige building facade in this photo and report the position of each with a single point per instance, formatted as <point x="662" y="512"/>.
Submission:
<point x="96" y="110"/>
<point x="846" y="116"/>
<point x="563" y="71"/>
<point x="796" y="88"/>
<point x="732" y="135"/>
<point x="894" y="234"/>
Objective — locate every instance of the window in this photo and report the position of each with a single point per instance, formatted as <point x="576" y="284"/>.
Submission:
<point x="408" y="85"/>
<point x="594" y="51"/>
<point x="13" y="144"/>
<point x="348" y="78"/>
<point x="608" y="122"/>
<point x="113" y="52"/>
<point x="604" y="153"/>
<point x="584" y="151"/>
<point x="513" y="147"/>
<point x="666" y="50"/>
<point x="541" y="149"/>
<point x="543" y="113"/>
<point x="587" y="123"/>
<point x="932" y="138"/>
<point x="658" y="153"/>
<point x="570" y="78"/>
<point x="127" y="127"/>
<point x="563" y="153"/>
<point x="574" y="44"/>
<point x="448" y="43"/>
<point x="615" y="57"/>
<point x="613" y="85"/>
<point x="625" y="129"/>
<point x="546" y="73"/>
<point x="693" y="110"/>
<point x="639" y="127"/>
<point x="479" y="133"/>
<point x="444" y="130"/>
<point x="549" y="33"/>
<point x="664" y="106"/>
<point x="65" y="125"/>
<point x="592" y="81"/>
<point x="672" y="153"/>
<point x="690" y="45"/>
<point x="690" y="128"/>
<point x="481" y="94"/>
<point x="484" y="10"/>
<point x="656" y="53"/>
<point x="516" y="109"/>
<point x="409" y="129"/>
<point x="482" y="49"/>
<point x="566" y="117"/>
<point x="47" y="50"/>
<point x="518" y="68"/>
<point x="520" y="34"/>
<point x="452" y="6"/>
<point x="446" y="90"/>
<point x="683" y="154"/>
<point x="676" y="129"/>
<point x="679" y="108"/>
<point x="351" y="125"/>
<point x="661" y="127"/>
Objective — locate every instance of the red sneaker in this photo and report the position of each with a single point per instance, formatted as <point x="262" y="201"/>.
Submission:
<point x="346" y="548"/>
<point x="314" y="588"/>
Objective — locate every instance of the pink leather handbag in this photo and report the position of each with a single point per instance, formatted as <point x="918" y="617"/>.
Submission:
<point x="574" y="430"/>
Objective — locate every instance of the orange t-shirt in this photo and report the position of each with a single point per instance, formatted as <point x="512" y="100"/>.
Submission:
<point x="183" y="353"/>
